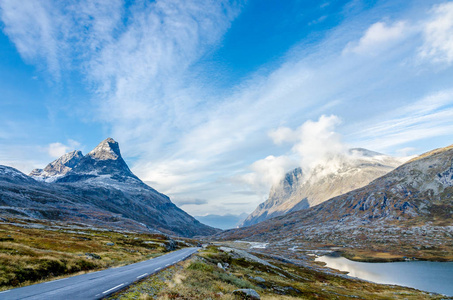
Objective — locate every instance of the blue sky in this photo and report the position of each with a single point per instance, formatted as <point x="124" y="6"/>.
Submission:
<point x="212" y="101"/>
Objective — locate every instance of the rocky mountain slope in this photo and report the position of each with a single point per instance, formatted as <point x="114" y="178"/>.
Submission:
<point x="97" y="189"/>
<point x="58" y="167"/>
<point x="337" y="175"/>
<point x="412" y="206"/>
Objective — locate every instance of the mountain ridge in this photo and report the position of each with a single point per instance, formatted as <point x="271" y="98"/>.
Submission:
<point x="98" y="189"/>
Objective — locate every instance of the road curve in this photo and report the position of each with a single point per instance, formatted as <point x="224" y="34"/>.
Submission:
<point x="98" y="284"/>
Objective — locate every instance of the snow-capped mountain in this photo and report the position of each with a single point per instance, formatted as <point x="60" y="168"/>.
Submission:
<point x="98" y="188"/>
<point x="337" y="175"/>
<point x="411" y="205"/>
<point x="58" y="167"/>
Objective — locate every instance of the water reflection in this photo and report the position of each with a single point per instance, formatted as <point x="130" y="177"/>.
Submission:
<point x="355" y="270"/>
<point x="429" y="276"/>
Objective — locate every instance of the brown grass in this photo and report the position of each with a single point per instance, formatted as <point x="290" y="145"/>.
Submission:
<point x="29" y="255"/>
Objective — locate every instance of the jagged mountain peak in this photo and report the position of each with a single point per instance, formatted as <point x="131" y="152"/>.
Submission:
<point x="58" y="167"/>
<point x="107" y="149"/>
<point x="364" y="152"/>
<point x="104" y="159"/>
<point x="69" y="160"/>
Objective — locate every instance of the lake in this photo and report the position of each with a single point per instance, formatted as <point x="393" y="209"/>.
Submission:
<point x="423" y="275"/>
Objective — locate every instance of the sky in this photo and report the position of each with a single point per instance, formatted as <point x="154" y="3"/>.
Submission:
<point x="213" y="101"/>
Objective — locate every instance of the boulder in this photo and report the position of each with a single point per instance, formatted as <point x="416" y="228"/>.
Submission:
<point x="170" y="245"/>
<point x="248" y="294"/>
<point x="92" y="256"/>
<point x="259" y="279"/>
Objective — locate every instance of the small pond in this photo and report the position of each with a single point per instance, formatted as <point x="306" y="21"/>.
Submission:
<point x="423" y="275"/>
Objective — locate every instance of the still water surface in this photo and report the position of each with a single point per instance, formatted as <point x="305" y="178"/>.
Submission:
<point x="423" y="275"/>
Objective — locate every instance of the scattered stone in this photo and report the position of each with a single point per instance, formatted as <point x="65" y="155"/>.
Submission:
<point x="219" y="265"/>
<point x="248" y="294"/>
<point x="259" y="279"/>
<point x="92" y="256"/>
<point x="110" y="244"/>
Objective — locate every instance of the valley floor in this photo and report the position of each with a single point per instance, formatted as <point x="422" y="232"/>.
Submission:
<point x="217" y="272"/>
<point x="33" y="252"/>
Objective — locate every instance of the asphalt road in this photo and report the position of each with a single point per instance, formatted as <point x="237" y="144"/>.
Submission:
<point x="98" y="284"/>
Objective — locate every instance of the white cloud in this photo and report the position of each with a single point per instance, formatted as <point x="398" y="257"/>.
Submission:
<point x="36" y="37"/>
<point x="312" y="143"/>
<point x="55" y="150"/>
<point x="267" y="172"/>
<point x="378" y="37"/>
<point x="282" y="134"/>
<point x="438" y="34"/>
<point x="318" y="140"/>
<point x="56" y="35"/>
<point x="428" y="117"/>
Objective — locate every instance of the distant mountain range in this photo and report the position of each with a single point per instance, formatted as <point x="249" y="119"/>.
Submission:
<point x="337" y="175"/>
<point x="97" y="189"/>
<point x="412" y="204"/>
<point x="223" y="222"/>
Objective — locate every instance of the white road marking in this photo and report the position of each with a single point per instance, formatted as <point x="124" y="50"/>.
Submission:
<point x="55" y="280"/>
<point x="113" y="288"/>
<point x="158" y="269"/>
<point x="167" y="265"/>
<point x="142" y="275"/>
<point x="5" y="292"/>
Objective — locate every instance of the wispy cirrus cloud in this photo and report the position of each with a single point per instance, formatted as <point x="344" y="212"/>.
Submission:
<point x="58" y="36"/>
<point x="379" y="37"/>
<point x="438" y="34"/>
<point x="427" y="117"/>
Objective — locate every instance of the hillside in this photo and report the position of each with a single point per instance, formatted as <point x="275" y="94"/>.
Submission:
<point x="408" y="210"/>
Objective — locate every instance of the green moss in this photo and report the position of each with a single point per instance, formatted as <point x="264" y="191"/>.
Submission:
<point x="233" y="280"/>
